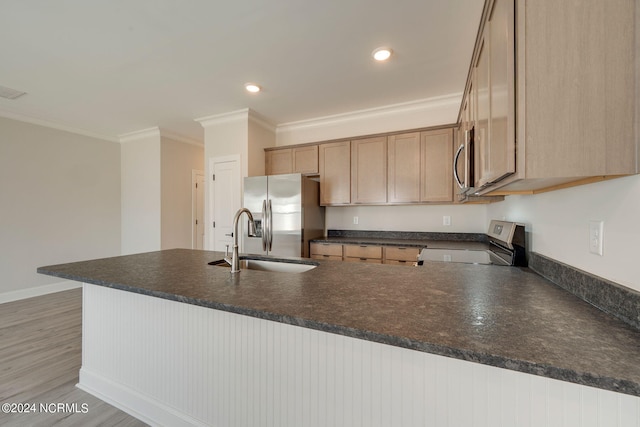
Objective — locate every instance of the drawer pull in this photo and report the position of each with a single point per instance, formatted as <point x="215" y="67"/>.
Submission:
<point x="363" y="246"/>
<point x="402" y="261"/>
<point x="402" y="249"/>
<point x="363" y="259"/>
<point x="326" y="256"/>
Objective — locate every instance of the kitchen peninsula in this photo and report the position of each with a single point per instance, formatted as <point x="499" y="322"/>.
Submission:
<point x="176" y="341"/>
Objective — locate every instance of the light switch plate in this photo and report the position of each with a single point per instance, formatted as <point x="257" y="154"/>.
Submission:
<point x="596" y="237"/>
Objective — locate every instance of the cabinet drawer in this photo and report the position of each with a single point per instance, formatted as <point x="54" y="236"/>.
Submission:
<point x="327" y="257"/>
<point x="401" y="253"/>
<point x="363" y="251"/>
<point x="365" y="260"/>
<point x="399" y="262"/>
<point x="326" y="249"/>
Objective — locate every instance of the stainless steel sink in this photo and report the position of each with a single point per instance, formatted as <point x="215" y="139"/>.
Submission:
<point x="281" y="266"/>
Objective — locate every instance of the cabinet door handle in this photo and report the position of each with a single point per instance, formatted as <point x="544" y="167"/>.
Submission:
<point x="455" y="163"/>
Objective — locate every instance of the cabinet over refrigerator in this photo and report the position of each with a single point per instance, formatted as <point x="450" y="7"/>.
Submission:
<point x="287" y="212"/>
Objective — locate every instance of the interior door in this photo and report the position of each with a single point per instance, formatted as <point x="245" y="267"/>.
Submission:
<point x="198" y="210"/>
<point x="225" y="200"/>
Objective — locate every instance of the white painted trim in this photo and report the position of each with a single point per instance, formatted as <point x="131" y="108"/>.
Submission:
<point x="261" y="121"/>
<point x="57" y="126"/>
<point x="150" y="410"/>
<point x="372" y="113"/>
<point x="38" y="291"/>
<point x="181" y="138"/>
<point x="217" y="119"/>
<point x="139" y="134"/>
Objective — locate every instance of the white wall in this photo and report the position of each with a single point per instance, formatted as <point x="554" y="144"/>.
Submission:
<point x="59" y="202"/>
<point x="179" y="159"/>
<point x="141" y="193"/>
<point x="464" y="218"/>
<point x="557" y="223"/>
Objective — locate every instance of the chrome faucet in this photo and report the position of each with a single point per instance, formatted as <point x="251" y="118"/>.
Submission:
<point x="234" y="262"/>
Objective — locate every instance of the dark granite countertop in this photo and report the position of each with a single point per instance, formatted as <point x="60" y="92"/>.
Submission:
<point x="507" y="317"/>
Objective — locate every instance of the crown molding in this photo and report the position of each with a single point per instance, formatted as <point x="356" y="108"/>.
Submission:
<point x="139" y="134"/>
<point x="217" y="119"/>
<point x="261" y="121"/>
<point x="246" y="114"/>
<point x="181" y="138"/>
<point x="56" y="126"/>
<point x="373" y="113"/>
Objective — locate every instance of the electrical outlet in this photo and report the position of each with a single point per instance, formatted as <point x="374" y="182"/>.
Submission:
<point x="446" y="220"/>
<point x="355" y="220"/>
<point x="596" y="237"/>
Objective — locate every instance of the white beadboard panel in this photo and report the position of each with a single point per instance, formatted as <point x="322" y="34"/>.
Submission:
<point x="171" y="363"/>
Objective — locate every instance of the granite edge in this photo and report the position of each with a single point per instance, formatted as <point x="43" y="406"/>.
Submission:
<point x="563" y="374"/>
<point x="610" y="297"/>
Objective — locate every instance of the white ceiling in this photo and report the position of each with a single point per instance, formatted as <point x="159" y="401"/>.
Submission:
<point x="111" y="67"/>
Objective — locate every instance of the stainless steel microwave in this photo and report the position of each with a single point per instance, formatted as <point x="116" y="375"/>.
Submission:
<point x="464" y="164"/>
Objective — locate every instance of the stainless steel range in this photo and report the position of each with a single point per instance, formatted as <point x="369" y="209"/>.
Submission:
<point x="506" y="247"/>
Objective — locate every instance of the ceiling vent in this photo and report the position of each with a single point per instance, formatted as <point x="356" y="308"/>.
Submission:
<point x="8" y="93"/>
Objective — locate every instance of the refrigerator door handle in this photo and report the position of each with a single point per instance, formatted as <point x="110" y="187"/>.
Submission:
<point x="264" y="225"/>
<point x="270" y="213"/>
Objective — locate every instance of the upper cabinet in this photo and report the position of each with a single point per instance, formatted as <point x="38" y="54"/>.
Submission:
<point x="436" y="166"/>
<point x="334" y="160"/>
<point x="403" y="157"/>
<point x="550" y="95"/>
<point x="292" y="160"/>
<point x="369" y="170"/>
<point x="278" y="162"/>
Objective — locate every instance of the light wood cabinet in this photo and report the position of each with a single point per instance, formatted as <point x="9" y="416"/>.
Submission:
<point x="334" y="161"/>
<point x="400" y="255"/>
<point x="436" y="166"/>
<point x="292" y="160"/>
<point x="369" y="170"/>
<point x="326" y="251"/>
<point x="553" y="90"/>
<point x="363" y="253"/>
<point x="278" y="161"/>
<point x="305" y="159"/>
<point x="404" y="168"/>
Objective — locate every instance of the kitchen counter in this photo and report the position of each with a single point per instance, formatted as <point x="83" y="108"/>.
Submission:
<point x="506" y="317"/>
<point x="411" y="243"/>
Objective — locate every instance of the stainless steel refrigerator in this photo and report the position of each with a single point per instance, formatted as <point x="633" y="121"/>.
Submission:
<point x="287" y="212"/>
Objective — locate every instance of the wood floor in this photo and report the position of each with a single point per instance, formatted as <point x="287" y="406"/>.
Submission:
<point x="40" y="356"/>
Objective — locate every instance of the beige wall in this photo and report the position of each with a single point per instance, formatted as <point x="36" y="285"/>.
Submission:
<point x="59" y="202"/>
<point x="178" y="160"/>
<point x="141" y="194"/>
<point x="557" y="225"/>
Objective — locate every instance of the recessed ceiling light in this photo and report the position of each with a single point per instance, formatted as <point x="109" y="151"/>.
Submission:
<point x="252" y="87"/>
<point x="382" y="53"/>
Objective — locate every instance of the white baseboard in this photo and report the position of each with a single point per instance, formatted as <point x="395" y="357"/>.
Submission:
<point x="38" y="291"/>
<point x="148" y="409"/>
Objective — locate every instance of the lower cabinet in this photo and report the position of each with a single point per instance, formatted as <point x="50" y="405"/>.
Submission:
<point x="400" y="255"/>
<point x="396" y="255"/>
<point x="328" y="251"/>
<point x="363" y="253"/>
